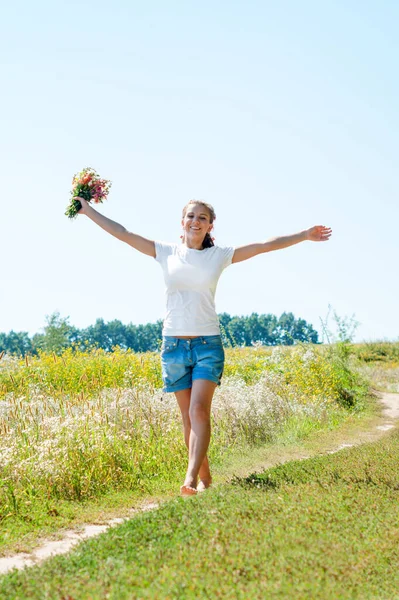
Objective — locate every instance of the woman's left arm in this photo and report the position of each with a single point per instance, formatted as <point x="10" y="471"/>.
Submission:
<point x="319" y="233"/>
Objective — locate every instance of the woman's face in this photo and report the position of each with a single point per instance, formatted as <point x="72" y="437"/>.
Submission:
<point x="196" y="222"/>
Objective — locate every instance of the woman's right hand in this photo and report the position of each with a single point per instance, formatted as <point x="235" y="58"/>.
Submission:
<point x="84" y="203"/>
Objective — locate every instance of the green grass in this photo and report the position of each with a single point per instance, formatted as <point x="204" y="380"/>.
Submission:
<point x="377" y="351"/>
<point x="70" y="441"/>
<point x="370" y="464"/>
<point x="21" y="530"/>
<point x="323" y="528"/>
<point x="303" y="530"/>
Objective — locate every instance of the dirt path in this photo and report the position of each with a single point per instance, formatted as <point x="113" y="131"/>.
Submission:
<point x="391" y="403"/>
<point x="335" y="442"/>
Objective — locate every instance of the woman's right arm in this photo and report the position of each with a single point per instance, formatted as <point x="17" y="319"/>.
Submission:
<point x="136" y="241"/>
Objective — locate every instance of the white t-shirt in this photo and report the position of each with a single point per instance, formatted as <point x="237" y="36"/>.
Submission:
<point x="191" y="278"/>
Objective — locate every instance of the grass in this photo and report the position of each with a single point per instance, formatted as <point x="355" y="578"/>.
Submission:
<point x="377" y="352"/>
<point x="68" y="444"/>
<point x="76" y="376"/>
<point x="323" y="528"/>
<point x="379" y="362"/>
<point x="385" y="376"/>
<point x="20" y="532"/>
<point x="122" y="445"/>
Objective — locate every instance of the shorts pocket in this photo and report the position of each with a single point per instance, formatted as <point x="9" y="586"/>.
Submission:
<point x="168" y="347"/>
<point x="209" y="352"/>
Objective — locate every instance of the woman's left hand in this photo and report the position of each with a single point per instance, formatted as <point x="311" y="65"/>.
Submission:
<point x="319" y="233"/>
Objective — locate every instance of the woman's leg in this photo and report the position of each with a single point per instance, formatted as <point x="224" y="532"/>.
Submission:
<point x="183" y="398"/>
<point x="200" y="433"/>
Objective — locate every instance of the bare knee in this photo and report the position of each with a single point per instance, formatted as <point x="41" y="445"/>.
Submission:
<point x="199" y="414"/>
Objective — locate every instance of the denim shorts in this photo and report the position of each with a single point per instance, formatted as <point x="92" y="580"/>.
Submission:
<point x="185" y="360"/>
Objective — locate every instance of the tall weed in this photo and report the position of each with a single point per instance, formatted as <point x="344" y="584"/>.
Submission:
<point x="78" y="425"/>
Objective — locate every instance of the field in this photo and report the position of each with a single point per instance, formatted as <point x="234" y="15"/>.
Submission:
<point x="83" y="431"/>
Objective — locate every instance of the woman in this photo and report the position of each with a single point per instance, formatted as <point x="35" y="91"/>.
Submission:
<point x="192" y="354"/>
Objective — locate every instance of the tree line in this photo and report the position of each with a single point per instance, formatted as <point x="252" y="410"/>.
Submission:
<point x="58" y="334"/>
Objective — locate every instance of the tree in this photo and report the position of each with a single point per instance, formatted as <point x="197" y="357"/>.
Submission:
<point x="291" y="330"/>
<point x="15" y="343"/>
<point x="261" y="329"/>
<point x="97" y="335"/>
<point x="58" y="334"/>
<point x="116" y="332"/>
<point x="224" y="320"/>
<point x="265" y="329"/>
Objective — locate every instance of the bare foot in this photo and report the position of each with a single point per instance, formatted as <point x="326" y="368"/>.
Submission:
<point x="204" y="484"/>
<point x="187" y="490"/>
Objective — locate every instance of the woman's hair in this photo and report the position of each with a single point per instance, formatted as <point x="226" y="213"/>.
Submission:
<point x="208" y="240"/>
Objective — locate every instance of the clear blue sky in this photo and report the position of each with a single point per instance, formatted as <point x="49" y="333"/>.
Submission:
<point x="283" y="115"/>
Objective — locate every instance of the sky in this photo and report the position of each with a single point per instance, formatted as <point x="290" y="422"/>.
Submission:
<point x="282" y="115"/>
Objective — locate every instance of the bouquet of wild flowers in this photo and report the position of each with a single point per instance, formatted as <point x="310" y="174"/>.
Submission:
<point x="88" y="185"/>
